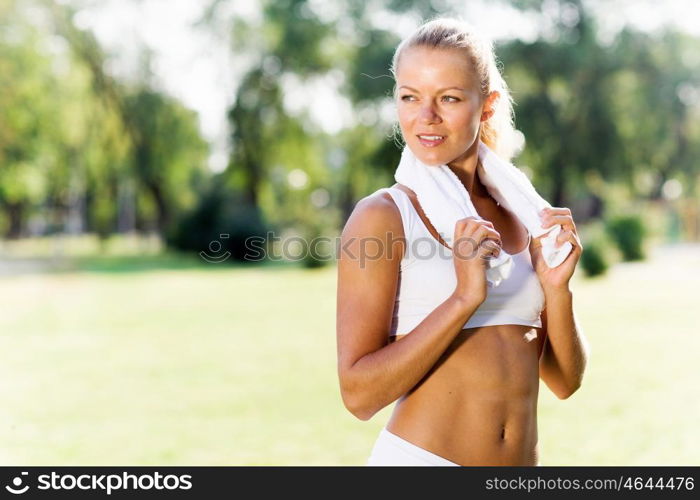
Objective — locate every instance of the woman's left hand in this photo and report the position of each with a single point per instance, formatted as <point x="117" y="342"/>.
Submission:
<point x="558" y="277"/>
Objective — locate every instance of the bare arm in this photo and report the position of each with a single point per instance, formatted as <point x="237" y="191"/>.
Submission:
<point x="566" y="349"/>
<point x="379" y="378"/>
<point x="373" y="373"/>
<point x="565" y="352"/>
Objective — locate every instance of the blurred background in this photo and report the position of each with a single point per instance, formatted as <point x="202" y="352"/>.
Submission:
<point x="144" y="142"/>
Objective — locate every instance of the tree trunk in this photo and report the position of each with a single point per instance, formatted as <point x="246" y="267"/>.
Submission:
<point x="559" y="185"/>
<point x="163" y="215"/>
<point x="15" y="212"/>
<point x="252" y="183"/>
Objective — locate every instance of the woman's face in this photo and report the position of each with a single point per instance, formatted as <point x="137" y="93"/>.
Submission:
<point x="437" y="95"/>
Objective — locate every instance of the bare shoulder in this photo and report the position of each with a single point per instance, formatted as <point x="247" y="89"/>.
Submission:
<point x="375" y="215"/>
<point x="368" y="270"/>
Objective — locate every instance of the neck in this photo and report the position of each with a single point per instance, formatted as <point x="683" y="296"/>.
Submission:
<point x="465" y="168"/>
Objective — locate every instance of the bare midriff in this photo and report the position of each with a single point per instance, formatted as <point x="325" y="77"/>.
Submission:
<point x="478" y="403"/>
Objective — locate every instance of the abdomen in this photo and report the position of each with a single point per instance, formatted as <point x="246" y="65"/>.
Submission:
<point x="478" y="404"/>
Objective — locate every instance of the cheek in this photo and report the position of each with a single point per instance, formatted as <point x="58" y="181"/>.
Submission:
<point x="408" y="122"/>
<point x="459" y="119"/>
<point x="404" y="114"/>
<point x="469" y="115"/>
<point x="467" y="123"/>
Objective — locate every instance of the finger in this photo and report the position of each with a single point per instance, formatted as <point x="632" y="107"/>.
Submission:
<point x="492" y="235"/>
<point x="576" y="242"/>
<point x="490" y="246"/>
<point x="553" y="218"/>
<point x="483" y="233"/>
<point x="482" y="228"/>
<point x="469" y="225"/>
<point x="481" y="223"/>
<point x="462" y="224"/>
<point x="487" y="241"/>
<point x="576" y="251"/>
<point x="466" y="220"/>
<point x="563" y="237"/>
<point x="556" y="211"/>
<point x="569" y="236"/>
<point x="562" y="220"/>
<point x="536" y="243"/>
<point x="468" y="241"/>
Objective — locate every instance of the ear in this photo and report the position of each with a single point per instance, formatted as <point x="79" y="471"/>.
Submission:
<point x="489" y="107"/>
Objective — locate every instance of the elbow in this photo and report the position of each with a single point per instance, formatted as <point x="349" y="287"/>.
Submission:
<point x="360" y="412"/>
<point x="355" y="404"/>
<point x="569" y="390"/>
<point x="356" y="401"/>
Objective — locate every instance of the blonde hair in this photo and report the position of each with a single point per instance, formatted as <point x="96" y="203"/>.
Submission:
<point x="498" y="132"/>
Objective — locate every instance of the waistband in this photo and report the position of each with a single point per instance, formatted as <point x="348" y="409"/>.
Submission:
<point x="391" y="449"/>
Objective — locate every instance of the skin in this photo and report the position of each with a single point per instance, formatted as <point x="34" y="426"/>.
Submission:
<point x="467" y="395"/>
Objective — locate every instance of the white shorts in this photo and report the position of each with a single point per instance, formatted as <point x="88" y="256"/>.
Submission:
<point x="390" y="449"/>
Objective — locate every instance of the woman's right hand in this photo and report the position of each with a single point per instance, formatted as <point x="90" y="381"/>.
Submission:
<point x="475" y="242"/>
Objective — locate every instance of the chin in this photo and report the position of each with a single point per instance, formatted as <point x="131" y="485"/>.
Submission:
<point x="432" y="159"/>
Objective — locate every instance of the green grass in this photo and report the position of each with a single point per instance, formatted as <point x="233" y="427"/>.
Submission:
<point x="189" y="364"/>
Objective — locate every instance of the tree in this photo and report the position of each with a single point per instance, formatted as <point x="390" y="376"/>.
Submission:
<point x="166" y="151"/>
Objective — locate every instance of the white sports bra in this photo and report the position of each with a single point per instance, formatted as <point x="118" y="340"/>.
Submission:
<point x="427" y="278"/>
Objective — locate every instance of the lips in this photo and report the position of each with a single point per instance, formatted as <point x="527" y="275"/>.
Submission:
<point x="431" y="140"/>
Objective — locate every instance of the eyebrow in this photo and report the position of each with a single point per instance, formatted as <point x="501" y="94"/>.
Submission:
<point x="441" y="90"/>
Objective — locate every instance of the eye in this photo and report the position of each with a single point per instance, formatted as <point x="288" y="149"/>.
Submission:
<point x="404" y="98"/>
<point x="451" y="97"/>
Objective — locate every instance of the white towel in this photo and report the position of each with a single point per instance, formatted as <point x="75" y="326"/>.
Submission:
<point x="445" y="200"/>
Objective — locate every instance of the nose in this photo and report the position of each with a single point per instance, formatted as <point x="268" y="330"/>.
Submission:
<point x="428" y="114"/>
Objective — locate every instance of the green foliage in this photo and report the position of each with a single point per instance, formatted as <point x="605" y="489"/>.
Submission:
<point x="371" y="78"/>
<point x="74" y="140"/>
<point x="168" y="154"/>
<point x="564" y="106"/>
<point x="295" y="35"/>
<point x="658" y="77"/>
<point x="628" y="232"/>
<point x="221" y="222"/>
<point x="593" y="258"/>
<point x="615" y="109"/>
<point x="317" y="255"/>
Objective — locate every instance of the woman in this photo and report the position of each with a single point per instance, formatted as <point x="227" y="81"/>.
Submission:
<point x="466" y="372"/>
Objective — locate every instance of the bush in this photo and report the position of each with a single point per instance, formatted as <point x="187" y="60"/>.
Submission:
<point x="593" y="258"/>
<point x="628" y="233"/>
<point x="314" y="257"/>
<point x="219" y="227"/>
<point x="312" y="261"/>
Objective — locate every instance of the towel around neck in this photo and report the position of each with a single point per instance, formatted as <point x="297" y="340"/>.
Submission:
<point x="445" y="200"/>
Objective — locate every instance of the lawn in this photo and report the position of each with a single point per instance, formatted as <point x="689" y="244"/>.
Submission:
<point x="126" y="361"/>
